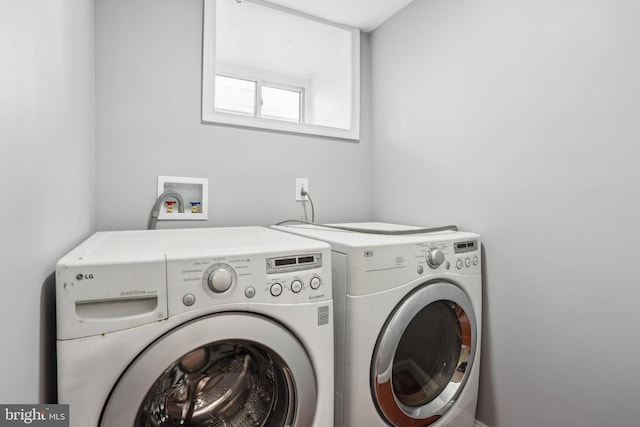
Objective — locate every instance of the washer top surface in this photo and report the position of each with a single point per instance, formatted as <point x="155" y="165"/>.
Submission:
<point x="141" y="245"/>
<point x="123" y="279"/>
<point x="351" y="239"/>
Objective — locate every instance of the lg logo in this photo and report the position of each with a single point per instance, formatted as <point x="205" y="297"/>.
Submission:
<point x="81" y="276"/>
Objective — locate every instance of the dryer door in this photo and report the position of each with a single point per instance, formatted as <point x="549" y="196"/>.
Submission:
<point x="222" y="370"/>
<point x="424" y="355"/>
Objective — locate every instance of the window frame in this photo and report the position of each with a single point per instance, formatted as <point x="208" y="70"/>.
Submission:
<point x="209" y="71"/>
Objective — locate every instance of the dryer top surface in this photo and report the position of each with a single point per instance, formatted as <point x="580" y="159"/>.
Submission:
<point x="350" y="239"/>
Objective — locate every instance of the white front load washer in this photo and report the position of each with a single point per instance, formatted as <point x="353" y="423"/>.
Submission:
<point x="199" y="327"/>
<point x="408" y="325"/>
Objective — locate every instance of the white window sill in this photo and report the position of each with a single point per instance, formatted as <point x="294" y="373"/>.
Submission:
<point x="217" y="117"/>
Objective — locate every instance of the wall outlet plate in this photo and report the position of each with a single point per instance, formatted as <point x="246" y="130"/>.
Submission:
<point x="300" y="184"/>
<point x="192" y="190"/>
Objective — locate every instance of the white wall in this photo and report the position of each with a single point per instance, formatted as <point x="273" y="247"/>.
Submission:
<point x="520" y="121"/>
<point x="47" y="152"/>
<point x="148" y="83"/>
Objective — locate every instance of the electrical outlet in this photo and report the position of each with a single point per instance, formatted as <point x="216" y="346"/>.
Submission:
<point x="301" y="184"/>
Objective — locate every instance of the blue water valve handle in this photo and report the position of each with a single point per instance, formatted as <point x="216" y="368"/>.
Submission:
<point x="194" y="207"/>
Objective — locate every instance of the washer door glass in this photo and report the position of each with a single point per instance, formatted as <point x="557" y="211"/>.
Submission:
<point x="235" y="383"/>
<point x="222" y="370"/>
<point x="424" y="355"/>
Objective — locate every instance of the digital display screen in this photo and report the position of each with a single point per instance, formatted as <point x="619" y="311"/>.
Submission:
<point x="292" y="263"/>
<point x="468" y="246"/>
<point x="285" y="261"/>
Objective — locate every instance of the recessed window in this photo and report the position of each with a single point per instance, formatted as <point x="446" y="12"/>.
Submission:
<point x="271" y="68"/>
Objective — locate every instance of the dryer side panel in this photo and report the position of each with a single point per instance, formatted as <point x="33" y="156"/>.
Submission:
<point x="339" y="279"/>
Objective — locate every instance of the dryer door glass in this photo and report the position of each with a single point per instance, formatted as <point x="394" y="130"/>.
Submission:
<point x="428" y="354"/>
<point x="424" y="355"/>
<point x="235" y="383"/>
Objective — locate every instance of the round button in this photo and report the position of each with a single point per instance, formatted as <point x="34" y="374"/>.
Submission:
<point x="420" y="269"/>
<point x="475" y="260"/>
<point x="250" y="292"/>
<point x="467" y="262"/>
<point x="220" y="280"/>
<point x="315" y="283"/>
<point x="188" y="300"/>
<point x="435" y="257"/>
<point x="447" y="265"/>
<point x="276" y="289"/>
<point x="296" y="286"/>
<point x="459" y="264"/>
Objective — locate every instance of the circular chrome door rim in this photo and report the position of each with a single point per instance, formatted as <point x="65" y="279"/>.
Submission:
<point x="132" y="387"/>
<point x="383" y="357"/>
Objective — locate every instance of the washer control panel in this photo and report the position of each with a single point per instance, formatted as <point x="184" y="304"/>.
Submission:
<point x="290" y="278"/>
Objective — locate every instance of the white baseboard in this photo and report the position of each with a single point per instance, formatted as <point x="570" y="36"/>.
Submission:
<point x="479" y="424"/>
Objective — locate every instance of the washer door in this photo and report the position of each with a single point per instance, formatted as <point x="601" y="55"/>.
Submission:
<point x="222" y="370"/>
<point x="424" y="355"/>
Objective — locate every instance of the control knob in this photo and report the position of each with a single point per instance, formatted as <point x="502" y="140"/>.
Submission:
<point x="435" y="257"/>
<point x="221" y="278"/>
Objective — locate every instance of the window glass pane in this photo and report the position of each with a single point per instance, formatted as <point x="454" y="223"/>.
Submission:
<point x="235" y="95"/>
<point x="280" y="104"/>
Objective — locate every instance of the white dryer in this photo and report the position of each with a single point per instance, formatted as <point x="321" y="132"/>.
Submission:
<point x="408" y="325"/>
<point x="199" y="327"/>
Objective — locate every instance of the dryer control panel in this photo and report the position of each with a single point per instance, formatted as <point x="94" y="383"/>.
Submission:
<point x="376" y="268"/>
<point x="457" y="256"/>
<point x="467" y="254"/>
